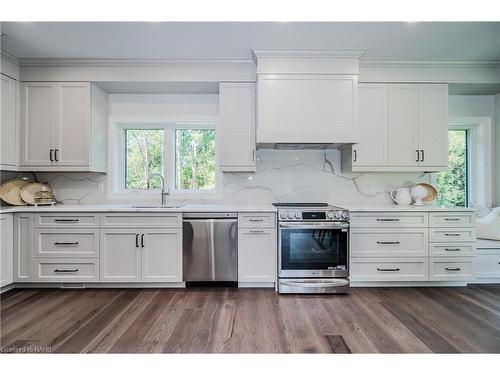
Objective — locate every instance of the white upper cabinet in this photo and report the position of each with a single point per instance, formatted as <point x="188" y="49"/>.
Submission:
<point x="403" y="127"/>
<point x="307" y="97"/>
<point x="402" y="140"/>
<point x="60" y="128"/>
<point x="9" y="152"/>
<point x="237" y="127"/>
<point x="433" y="125"/>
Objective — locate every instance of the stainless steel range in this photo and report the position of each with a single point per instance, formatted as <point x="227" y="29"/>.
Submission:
<point x="313" y="246"/>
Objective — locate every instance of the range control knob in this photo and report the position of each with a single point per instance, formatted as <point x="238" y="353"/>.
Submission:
<point x="283" y="215"/>
<point x="291" y="215"/>
<point x="338" y="214"/>
<point x="298" y="215"/>
<point x="345" y="215"/>
<point x="329" y="215"/>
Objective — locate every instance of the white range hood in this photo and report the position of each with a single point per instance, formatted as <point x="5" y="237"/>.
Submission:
<point x="307" y="98"/>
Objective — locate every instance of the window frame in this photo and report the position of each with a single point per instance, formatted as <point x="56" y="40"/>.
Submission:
<point x="479" y="149"/>
<point x="117" y="163"/>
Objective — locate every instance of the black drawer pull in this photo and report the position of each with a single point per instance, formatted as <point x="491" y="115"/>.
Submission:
<point x="453" y="269"/>
<point x="55" y="154"/>
<point x="142" y="240"/>
<point x="256" y="220"/>
<point x="387" y="219"/>
<point x="257" y="231"/>
<point x="388" y="269"/>
<point x="452" y="234"/>
<point x="451" y="219"/>
<point x="50" y="155"/>
<point x="66" y="243"/>
<point x="388" y="242"/>
<point x="66" y="271"/>
<point x="448" y="249"/>
<point x="67" y="220"/>
<point x="137" y="240"/>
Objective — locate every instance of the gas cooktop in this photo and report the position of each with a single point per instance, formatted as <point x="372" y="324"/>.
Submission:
<point x="318" y="211"/>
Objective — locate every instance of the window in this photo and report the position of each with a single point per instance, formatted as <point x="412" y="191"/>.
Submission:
<point x="453" y="185"/>
<point x="184" y="154"/>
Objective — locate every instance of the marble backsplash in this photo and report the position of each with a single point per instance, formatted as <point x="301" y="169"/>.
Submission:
<point x="305" y="175"/>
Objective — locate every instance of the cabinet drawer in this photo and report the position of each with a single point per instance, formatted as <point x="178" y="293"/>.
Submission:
<point x="452" y="249"/>
<point x="141" y="220"/>
<point x="452" y="234"/>
<point x="65" y="220"/>
<point x="442" y="269"/>
<point x="389" y="269"/>
<point x="73" y="243"/>
<point x="488" y="265"/>
<point x="256" y="220"/>
<point x="77" y="270"/>
<point x="389" y="242"/>
<point x="389" y="219"/>
<point x="449" y="219"/>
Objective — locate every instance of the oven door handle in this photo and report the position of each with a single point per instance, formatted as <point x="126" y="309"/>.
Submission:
<point x="305" y="284"/>
<point x="314" y="225"/>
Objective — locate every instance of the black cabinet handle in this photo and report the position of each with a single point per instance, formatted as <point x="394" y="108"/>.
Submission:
<point x="422" y="155"/>
<point x="137" y="240"/>
<point x="50" y="155"/>
<point x="65" y="271"/>
<point x="355" y="155"/>
<point x="388" y="242"/>
<point x="387" y="219"/>
<point x="417" y="155"/>
<point x="66" y="243"/>
<point x="142" y="240"/>
<point x="452" y="234"/>
<point x="55" y="154"/>
<point x="388" y="269"/>
<point x="451" y="219"/>
<point x="67" y="220"/>
<point x="453" y="269"/>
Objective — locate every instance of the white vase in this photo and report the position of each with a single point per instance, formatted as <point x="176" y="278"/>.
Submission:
<point x="401" y="196"/>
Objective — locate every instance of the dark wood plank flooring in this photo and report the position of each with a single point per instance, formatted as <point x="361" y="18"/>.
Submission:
<point x="369" y="320"/>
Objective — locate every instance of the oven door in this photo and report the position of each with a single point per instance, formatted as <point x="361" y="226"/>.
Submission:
<point x="314" y="249"/>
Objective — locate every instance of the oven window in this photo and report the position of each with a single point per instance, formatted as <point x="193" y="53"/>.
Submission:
<point x="313" y="249"/>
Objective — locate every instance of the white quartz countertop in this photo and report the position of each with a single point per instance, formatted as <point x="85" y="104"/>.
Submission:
<point x="141" y="208"/>
<point x="396" y="208"/>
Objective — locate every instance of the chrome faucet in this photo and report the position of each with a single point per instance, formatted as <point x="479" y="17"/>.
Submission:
<point x="163" y="192"/>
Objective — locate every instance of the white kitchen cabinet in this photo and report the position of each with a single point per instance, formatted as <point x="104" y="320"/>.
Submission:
<point x="372" y="147"/>
<point x="24" y="229"/>
<point x="161" y="255"/>
<point x="7" y="250"/>
<point x="433" y="125"/>
<point x="120" y="255"/>
<point x="257" y="255"/>
<point x="402" y="128"/>
<point x="237" y="127"/>
<point x="307" y="108"/>
<point x="9" y="147"/>
<point x="63" y="126"/>
<point x="402" y="131"/>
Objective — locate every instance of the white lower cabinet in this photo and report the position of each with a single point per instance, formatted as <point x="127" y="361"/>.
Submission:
<point x="65" y="270"/>
<point x="256" y="255"/>
<point x="120" y="255"/>
<point x="148" y="255"/>
<point x="161" y="255"/>
<point x="389" y="269"/>
<point x="24" y="228"/>
<point x="454" y="269"/>
<point x="7" y="251"/>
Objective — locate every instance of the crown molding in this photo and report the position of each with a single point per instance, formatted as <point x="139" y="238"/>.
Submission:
<point x="309" y="53"/>
<point x="430" y="63"/>
<point x="198" y="63"/>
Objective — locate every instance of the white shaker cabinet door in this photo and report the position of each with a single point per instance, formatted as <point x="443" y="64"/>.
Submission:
<point x="402" y="140"/>
<point x="73" y="121"/>
<point x="7" y="251"/>
<point x="433" y="125"/>
<point x="120" y="255"/>
<point x="256" y="255"/>
<point x="38" y="123"/>
<point x="372" y="148"/>
<point x="161" y="251"/>
<point x="8" y="126"/>
<point x="237" y="126"/>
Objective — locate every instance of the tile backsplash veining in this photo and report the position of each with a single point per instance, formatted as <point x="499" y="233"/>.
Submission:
<point x="304" y="175"/>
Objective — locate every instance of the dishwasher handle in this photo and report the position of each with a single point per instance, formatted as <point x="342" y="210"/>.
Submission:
<point x="209" y="215"/>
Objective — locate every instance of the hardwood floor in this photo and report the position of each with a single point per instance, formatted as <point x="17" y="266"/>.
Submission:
<point x="385" y="320"/>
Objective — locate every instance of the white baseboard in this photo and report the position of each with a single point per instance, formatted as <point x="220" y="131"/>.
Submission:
<point x="396" y="284"/>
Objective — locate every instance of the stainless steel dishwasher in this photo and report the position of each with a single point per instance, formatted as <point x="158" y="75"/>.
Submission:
<point x="210" y="247"/>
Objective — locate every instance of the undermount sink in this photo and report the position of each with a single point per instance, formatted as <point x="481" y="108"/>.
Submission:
<point x="158" y="207"/>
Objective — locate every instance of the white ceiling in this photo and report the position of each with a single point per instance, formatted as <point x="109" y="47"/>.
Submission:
<point x="218" y="40"/>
